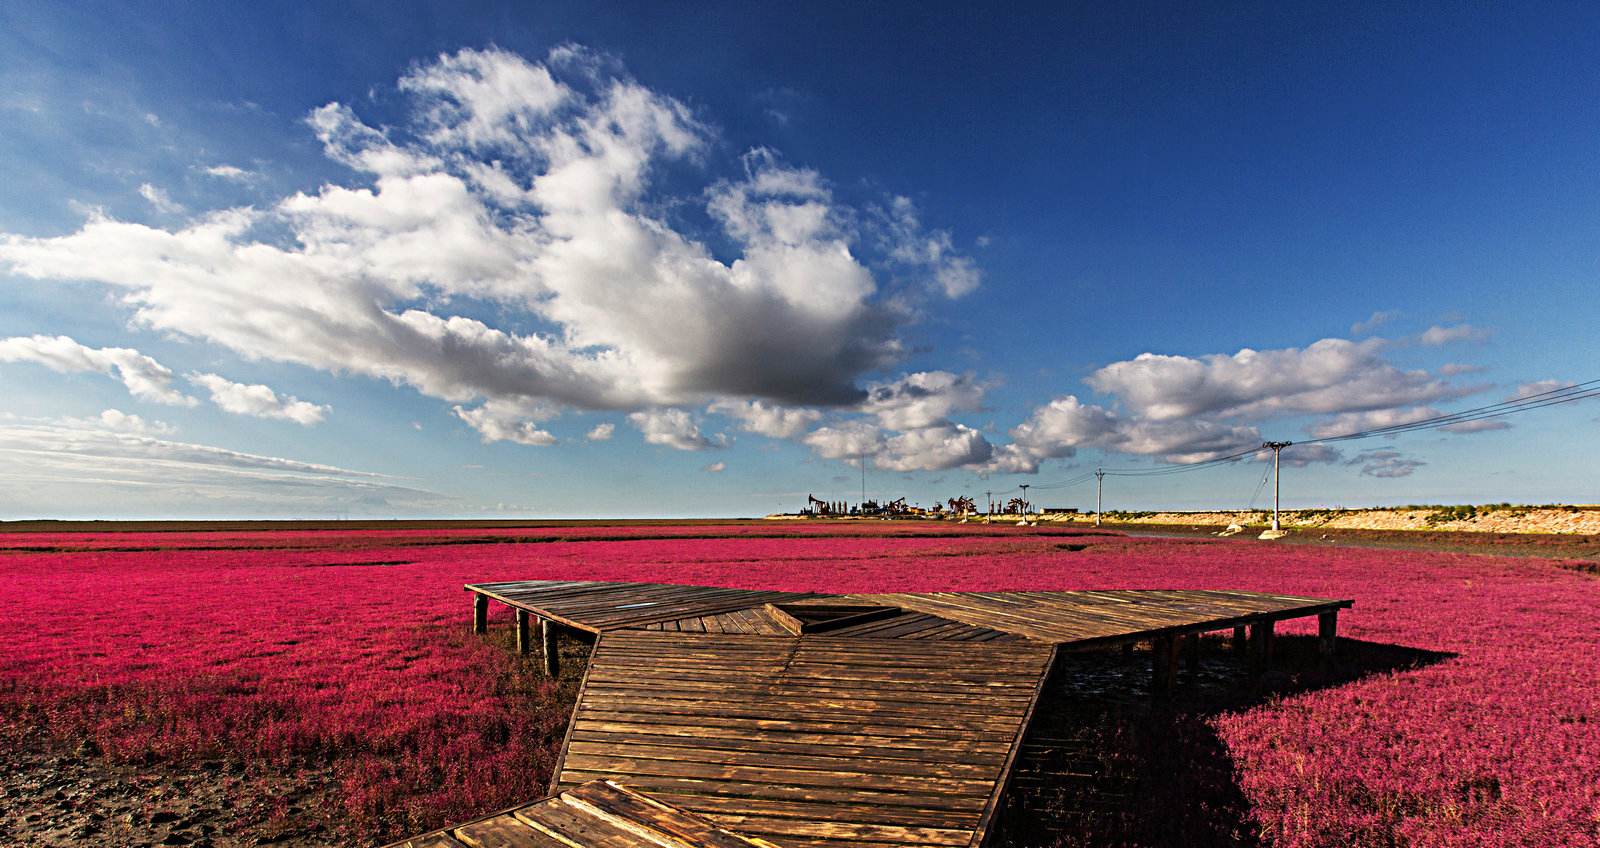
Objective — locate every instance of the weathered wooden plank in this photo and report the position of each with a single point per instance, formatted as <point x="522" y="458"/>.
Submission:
<point x="503" y="831"/>
<point x="432" y="840"/>
<point x="651" y="818"/>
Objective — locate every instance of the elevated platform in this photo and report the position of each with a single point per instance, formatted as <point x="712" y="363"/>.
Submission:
<point x="806" y="720"/>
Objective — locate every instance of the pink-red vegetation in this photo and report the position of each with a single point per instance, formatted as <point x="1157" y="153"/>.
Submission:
<point x="348" y="651"/>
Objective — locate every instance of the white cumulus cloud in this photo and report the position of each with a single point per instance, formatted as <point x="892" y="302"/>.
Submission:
<point x="532" y="191"/>
<point x="257" y="400"/>
<point x="674" y="428"/>
<point x="767" y="419"/>
<point x="144" y="377"/>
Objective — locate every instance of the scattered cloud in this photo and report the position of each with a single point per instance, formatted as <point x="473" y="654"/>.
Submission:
<point x="601" y="432"/>
<point x="1481" y="425"/>
<point x="1457" y="369"/>
<point x="933" y="251"/>
<point x="257" y="400"/>
<point x="115" y="420"/>
<point x="1300" y="456"/>
<point x="1538" y="387"/>
<point x="144" y="377"/>
<point x="849" y="440"/>
<point x="160" y="200"/>
<point x="1355" y="422"/>
<point x="673" y="428"/>
<point x="509" y="421"/>
<point x="230" y="172"/>
<point x="716" y="467"/>
<point x="1439" y="335"/>
<point x="1377" y="319"/>
<point x="922" y="399"/>
<point x="767" y="419"/>
<point x="1385" y="464"/>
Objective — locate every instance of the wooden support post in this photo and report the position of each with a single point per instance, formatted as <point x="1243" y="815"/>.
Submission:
<point x="1327" y="634"/>
<point x="480" y="613"/>
<point x="1260" y="646"/>
<point x="1191" y="657"/>
<point x="1163" y="666"/>
<point x="524" y="644"/>
<point x="1127" y="648"/>
<point x="547" y="646"/>
<point x="1239" y="641"/>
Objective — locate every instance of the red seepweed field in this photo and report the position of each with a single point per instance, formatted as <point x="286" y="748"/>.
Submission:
<point x="320" y="686"/>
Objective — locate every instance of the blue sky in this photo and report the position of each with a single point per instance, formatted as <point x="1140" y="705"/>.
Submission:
<point x="624" y="260"/>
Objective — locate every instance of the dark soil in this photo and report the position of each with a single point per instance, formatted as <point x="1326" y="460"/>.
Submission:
<point x="55" y="797"/>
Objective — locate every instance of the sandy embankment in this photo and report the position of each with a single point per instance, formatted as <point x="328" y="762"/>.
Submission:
<point x="1560" y="519"/>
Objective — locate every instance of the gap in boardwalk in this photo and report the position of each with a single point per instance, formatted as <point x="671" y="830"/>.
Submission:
<point x="1104" y="765"/>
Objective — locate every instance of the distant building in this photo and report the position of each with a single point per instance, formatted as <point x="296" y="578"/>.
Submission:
<point x="1060" y="510"/>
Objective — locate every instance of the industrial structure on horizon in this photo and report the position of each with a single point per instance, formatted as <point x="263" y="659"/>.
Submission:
<point x="962" y="507"/>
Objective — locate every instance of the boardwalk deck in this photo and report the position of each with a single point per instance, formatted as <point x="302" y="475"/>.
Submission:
<point x="825" y="721"/>
<point x="597" y="814"/>
<point x="808" y="741"/>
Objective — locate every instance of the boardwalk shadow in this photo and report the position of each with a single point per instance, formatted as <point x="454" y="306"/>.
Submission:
<point x="1103" y="766"/>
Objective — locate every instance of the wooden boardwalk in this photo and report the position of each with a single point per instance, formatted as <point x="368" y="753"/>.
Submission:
<point x="825" y="721"/>
<point x="598" y="814"/>
<point x="828" y="740"/>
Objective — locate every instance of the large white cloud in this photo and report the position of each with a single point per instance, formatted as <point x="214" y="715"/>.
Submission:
<point x="144" y="377"/>
<point x="532" y="188"/>
<point x="1328" y="376"/>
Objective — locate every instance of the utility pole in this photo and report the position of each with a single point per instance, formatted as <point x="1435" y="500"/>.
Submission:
<point x="1099" y="490"/>
<point x="863" y="483"/>
<point x="1025" y="509"/>
<point x="990" y="513"/>
<point x="1277" y="450"/>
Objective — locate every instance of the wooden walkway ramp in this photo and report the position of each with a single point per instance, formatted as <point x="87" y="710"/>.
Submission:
<point x="824" y="721"/>
<point x="598" y="814"/>
<point x="814" y="741"/>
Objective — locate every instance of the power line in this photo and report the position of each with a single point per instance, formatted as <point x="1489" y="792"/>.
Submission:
<point x="1540" y="400"/>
